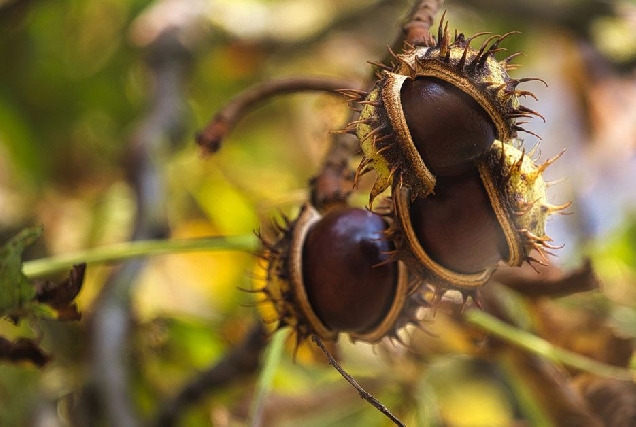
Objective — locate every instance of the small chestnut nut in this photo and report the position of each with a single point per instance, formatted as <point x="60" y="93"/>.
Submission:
<point x="437" y="112"/>
<point x="455" y="238"/>
<point x="457" y="226"/>
<point x="334" y="274"/>
<point x="450" y="130"/>
<point x="347" y="285"/>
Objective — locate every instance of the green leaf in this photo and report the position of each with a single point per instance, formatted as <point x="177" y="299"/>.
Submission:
<point x="15" y="289"/>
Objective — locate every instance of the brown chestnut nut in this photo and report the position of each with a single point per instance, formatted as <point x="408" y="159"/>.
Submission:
<point x="348" y="282"/>
<point x="449" y="128"/>
<point x="455" y="238"/>
<point x="334" y="274"/>
<point x="436" y="112"/>
<point x="457" y="226"/>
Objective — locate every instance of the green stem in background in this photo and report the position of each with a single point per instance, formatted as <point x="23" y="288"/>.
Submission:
<point x="529" y="402"/>
<point x="118" y="252"/>
<point x="539" y="346"/>
<point x="273" y="356"/>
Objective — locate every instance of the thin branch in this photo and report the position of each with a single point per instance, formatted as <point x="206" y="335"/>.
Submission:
<point x="363" y="393"/>
<point x="334" y="182"/>
<point x="550" y="281"/>
<point x="417" y="31"/>
<point x="224" y="121"/>
<point x="242" y="361"/>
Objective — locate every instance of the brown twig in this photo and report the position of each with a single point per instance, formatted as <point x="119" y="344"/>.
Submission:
<point x="417" y="31"/>
<point x="363" y="393"/>
<point x="224" y="121"/>
<point x="334" y="181"/>
<point x="242" y="361"/>
<point x="548" y="281"/>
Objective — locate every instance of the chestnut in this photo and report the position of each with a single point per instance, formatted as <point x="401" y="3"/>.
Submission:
<point x="437" y="112"/>
<point x="349" y="283"/>
<point x="336" y="274"/>
<point x="450" y="130"/>
<point x="457" y="226"/>
<point x="496" y="212"/>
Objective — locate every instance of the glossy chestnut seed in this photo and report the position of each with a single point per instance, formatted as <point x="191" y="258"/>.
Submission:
<point x="457" y="226"/>
<point x="449" y="128"/>
<point x="347" y="288"/>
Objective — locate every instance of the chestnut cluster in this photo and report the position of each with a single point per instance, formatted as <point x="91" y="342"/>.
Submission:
<point x="440" y="130"/>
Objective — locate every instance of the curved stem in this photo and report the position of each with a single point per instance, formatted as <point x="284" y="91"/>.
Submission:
<point x="225" y="120"/>
<point x="136" y="249"/>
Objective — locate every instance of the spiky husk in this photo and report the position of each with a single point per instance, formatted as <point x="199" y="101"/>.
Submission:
<point x="285" y="289"/>
<point x="284" y="280"/>
<point x="425" y="268"/>
<point x="385" y="138"/>
<point x="517" y="191"/>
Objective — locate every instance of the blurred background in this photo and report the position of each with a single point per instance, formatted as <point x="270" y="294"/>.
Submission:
<point x="101" y="100"/>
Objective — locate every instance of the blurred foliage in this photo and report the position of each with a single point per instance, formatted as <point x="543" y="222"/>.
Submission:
<point x="75" y="84"/>
<point x="16" y="293"/>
